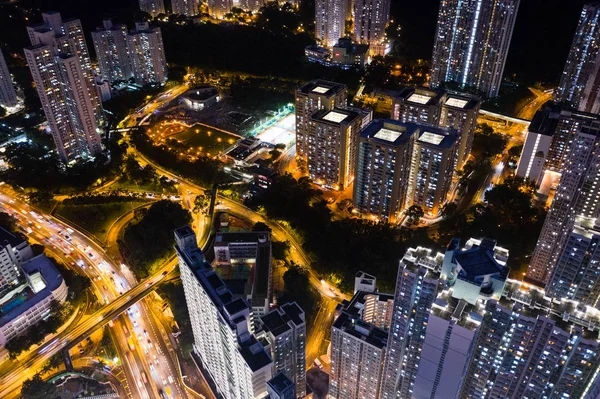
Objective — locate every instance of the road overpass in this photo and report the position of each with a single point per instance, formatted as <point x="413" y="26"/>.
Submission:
<point x="505" y="117"/>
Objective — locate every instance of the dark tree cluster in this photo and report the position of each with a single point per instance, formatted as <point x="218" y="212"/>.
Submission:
<point x="204" y="170"/>
<point x="150" y="237"/>
<point x="78" y="284"/>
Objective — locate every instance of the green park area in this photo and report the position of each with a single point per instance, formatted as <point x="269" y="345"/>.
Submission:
<point x="96" y="218"/>
<point x="204" y="139"/>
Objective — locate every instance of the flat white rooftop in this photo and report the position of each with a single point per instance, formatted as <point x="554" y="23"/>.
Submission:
<point x="335" y="117"/>
<point x="388" y="135"/>
<point x="419" y="98"/>
<point x="456" y="102"/>
<point x="320" y="89"/>
<point x="431" y="138"/>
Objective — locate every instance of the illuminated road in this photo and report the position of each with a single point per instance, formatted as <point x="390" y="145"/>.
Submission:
<point x="109" y="284"/>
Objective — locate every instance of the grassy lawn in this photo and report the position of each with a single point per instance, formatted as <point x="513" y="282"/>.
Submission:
<point x="96" y="219"/>
<point x="124" y="184"/>
<point x="206" y="140"/>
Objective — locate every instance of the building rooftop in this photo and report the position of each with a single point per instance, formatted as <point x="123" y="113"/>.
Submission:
<point x="420" y="95"/>
<point x="336" y="116"/>
<point x="351" y="324"/>
<point x="437" y="137"/>
<point x="280" y="383"/>
<point x="322" y="87"/>
<point x="461" y="101"/>
<point x="6" y="237"/>
<point x="388" y="132"/>
<point x="51" y="280"/>
<point x="277" y="321"/>
<point x="254" y="354"/>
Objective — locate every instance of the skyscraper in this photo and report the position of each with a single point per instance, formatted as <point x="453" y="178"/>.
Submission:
<point x="112" y="51"/>
<point x="418" y="105"/>
<point x="433" y="165"/>
<point x="152" y="7"/>
<point x="147" y="54"/>
<point x="370" y="20"/>
<point x="357" y="356"/>
<point x="61" y="68"/>
<point x="576" y="275"/>
<point x="578" y="195"/>
<point x="234" y="359"/>
<point x="189" y="8"/>
<point x="311" y="97"/>
<point x="8" y="96"/>
<point x="330" y="21"/>
<point x="383" y="168"/>
<point x="285" y="331"/>
<point x="580" y="79"/>
<point x="416" y="290"/>
<point x="471" y="43"/>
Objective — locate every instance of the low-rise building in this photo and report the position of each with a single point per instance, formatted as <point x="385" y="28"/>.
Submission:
<point x="29" y="303"/>
<point x="347" y="54"/>
<point x="200" y="97"/>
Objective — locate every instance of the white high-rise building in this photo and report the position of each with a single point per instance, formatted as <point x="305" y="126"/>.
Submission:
<point x="578" y="195"/>
<point x="416" y="290"/>
<point x="370" y="20"/>
<point x="357" y="356"/>
<point x="471" y="43"/>
<point x="330" y="21"/>
<point x="285" y="331"/>
<point x="189" y="8"/>
<point x="147" y="54"/>
<point x="152" y="7"/>
<point x="580" y="79"/>
<point x="8" y="96"/>
<point x="13" y="252"/>
<point x="224" y="340"/>
<point x="61" y="68"/>
<point x="110" y="42"/>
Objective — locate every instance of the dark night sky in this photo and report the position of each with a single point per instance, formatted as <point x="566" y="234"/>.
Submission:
<point x="540" y="43"/>
<point x="542" y="36"/>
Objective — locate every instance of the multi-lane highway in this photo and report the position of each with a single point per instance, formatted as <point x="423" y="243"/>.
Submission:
<point x="149" y="370"/>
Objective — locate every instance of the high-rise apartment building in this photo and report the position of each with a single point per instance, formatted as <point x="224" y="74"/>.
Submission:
<point x="330" y="21"/>
<point x="416" y="290"/>
<point x="285" y="330"/>
<point x="357" y="357"/>
<point x="580" y="79"/>
<point x="440" y="108"/>
<point x="61" y="68"/>
<point x="521" y="354"/>
<point x="8" y="95"/>
<point x="13" y="252"/>
<point x="578" y="195"/>
<point x="471" y="43"/>
<point x="576" y="275"/>
<point x="152" y="7"/>
<point x="311" y="97"/>
<point x="147" y="54"/>
<point x="281" y="387"/>
<point x="234" y="359"/>
<point x="112" y="51"/>
<point x="549" y="139"/>
<point x="370" y="20"/>
<point x="218" y="8"/>
<point x="189" y="8"/>
<point x="432" y="169"/>
<point x="332" y="144"/>
<point x="383" y="167"/>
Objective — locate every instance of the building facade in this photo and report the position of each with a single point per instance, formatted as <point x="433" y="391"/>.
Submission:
<point x="189" y="8"/>
<point x="471" y="43"/>
<point x="310" y="98"/>
<point x="61" y="68"/>
<point x="235" y="360"/>
<point x="383" y="167"/>
<point x="147" y="54"/>
<point x="332" y="144"/>
<point x="218" y="8"/>
<point x="577" y="195"/>
<point x="370" y="20"/>
<point x="285" y="331"/>
<point x="330" y="21"/>
<point x="152" y="7"/>
<point x="13" y="252"/>
<point x="416" y="290"/>
<point x="8" y="95"/>
<point x="357" y="357"/>
<point x="112" y="51"/>
<point x="580" y="79"/>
